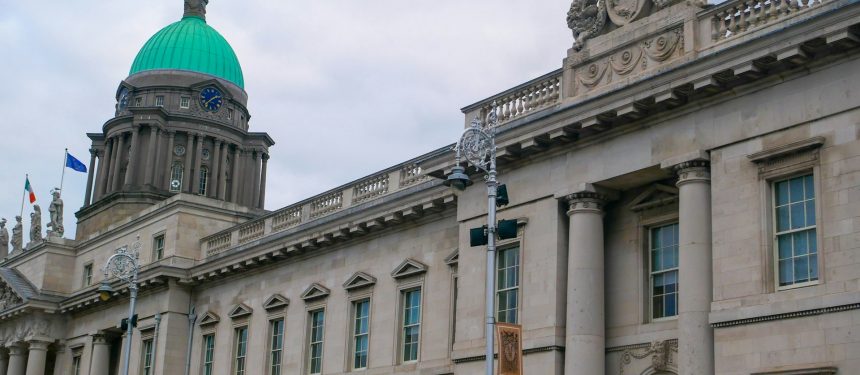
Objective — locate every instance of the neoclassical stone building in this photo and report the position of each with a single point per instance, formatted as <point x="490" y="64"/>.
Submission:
<point x="686" y="188"/>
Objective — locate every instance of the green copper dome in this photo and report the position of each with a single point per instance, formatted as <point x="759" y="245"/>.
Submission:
<point x="190" y="44"/>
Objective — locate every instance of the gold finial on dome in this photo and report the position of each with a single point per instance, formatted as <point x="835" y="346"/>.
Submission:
<point x="195" y="8"/>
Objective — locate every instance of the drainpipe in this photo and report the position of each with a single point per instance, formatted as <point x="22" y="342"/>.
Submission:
<point x="192" y="317"/>
<point x="155" y="340"/>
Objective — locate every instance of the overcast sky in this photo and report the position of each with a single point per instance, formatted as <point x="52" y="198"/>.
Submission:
<point x="344" y="87"/>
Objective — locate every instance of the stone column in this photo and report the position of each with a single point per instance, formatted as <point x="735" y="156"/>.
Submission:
<point x="168" y="165"/>
<point x="133" y="155"/>
<point x="262" y="201"/>
<point x="234" y="190"/>
<point x="255" y="190"/>
<point x="61" y="360"/>
<point x="584" y="351"/>
<point x="222" y="177"/>
<point x="4" y="362"/>
<point x="149" y="168"/>
<point x="100" y="363"/>
<point x="37" y="357"/>
<point x="158" y="174"/>
<point x="89" y="193"/>
<point x="116" y="167"/>
<point x="695" y="335"/>
<point x="189" y="150"/>
<point x="104" y="167"/>
<point x="17" y="359"/>
<point x="215" y="161"/>
<point x="198" y="164"/>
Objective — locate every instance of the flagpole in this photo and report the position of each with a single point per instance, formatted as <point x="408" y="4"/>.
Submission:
<point x="26" y="177"/>
<point x="63" y="175"/>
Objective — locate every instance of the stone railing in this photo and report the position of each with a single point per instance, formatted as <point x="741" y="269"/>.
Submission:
<point x="521" y="100"/>
<point x="733" y="18"/>
<point x="399" y="177"/>
<point x="370" y="188"/>
<point x="251" y="231"/>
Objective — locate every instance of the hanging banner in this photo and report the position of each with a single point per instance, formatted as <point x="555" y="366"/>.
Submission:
<point x="510" y="343"/>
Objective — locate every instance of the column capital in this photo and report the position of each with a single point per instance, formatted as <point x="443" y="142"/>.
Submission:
<point x="218" y="141"/>
<point x="693" y="171"/>
<point x="38" y="345"/>
<point x="171" y="133"/>
<point x="585" y="201"/>
<point x="94" y="152"/>
<point x="265" y="157"/>
<point x="100" y="339"/>
<point x="16" y="348"/>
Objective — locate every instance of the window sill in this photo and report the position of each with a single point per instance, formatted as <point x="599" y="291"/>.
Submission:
<point x="798" y="285"/>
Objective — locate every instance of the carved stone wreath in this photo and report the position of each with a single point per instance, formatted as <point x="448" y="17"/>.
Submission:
<point x="660" y="352"/>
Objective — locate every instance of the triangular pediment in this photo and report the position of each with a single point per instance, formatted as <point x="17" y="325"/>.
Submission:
<point x="208" y="318"/>
<point x="239" y="311"/>
<point x="15" y="289"/>
<point x="315" y="291"/>
<point x="654" y="196"/>
<point x="453" y="258"/>
<point x="359" y="280"/>
<point x="409" y="267"/>
<point x="276" y="301"/>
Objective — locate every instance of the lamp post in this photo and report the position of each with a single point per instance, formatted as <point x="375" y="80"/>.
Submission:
<point x="478" y="146"/>
<point x="124" y="266"/>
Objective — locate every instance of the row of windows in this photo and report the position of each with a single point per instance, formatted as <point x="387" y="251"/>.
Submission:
<point x="184" y="103"/>
<point x="177" y="173"/>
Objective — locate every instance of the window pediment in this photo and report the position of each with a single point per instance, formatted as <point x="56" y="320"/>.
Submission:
<point x="654" y="196"/>
<point x="453" y="259"/>
<point x="208" y="318"/>
<point x="276" y="301"/>
<point x="315" y="291"/>
<point x="239" y="311"/>
<point x="359" y="280"/>
<point x="409" y="267"/>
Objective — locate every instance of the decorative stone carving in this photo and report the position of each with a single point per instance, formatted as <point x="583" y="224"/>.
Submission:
<point x="586" y="18"/>
<point x="622" y="12"/>
<point x="694" y="170"/>
<point x="56" y="212"/>
<point x="8" y="297"/>
<point x="17" y="235"/>
<point x="585" y="201"/>
<point x="4" y="239"/>
<point x="36" y="224"/>
<point x="630" y="60"/>
<point x="195" y="8"/>
<point x="660" y="353"/>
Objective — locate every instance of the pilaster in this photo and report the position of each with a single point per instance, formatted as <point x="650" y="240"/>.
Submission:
<point x="214" y="179"/>
<point x="116" y="167"/>
<point x="236" y="181"/>
<point x="198" y="163"/>
<point x="262" y="201"/>
<point x="189" y="147"/>
<point x="90" y="176"/>
<point x="255" y="191"/>
<point x="149" y="168"/>
<point x="168" y="154"/>
<point x="222" y="176"/>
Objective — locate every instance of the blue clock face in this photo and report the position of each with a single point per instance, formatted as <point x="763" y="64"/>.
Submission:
<point x="123" y="99"/>
<point x="210" y="99"/>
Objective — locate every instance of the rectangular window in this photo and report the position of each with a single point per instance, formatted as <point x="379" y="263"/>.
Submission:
<point x="158" y="247"/>
<point x="276" y="346"/>
<point x="208" y="354"/>
<point x="88" y="275"/>
<point x="184" y="102"/>
<point x="146" y="357"/>
<point x="76" y="365"/>
<point x="795" y="231"/>
<point x="361" y="333"/>
<point x="508" y="285"/>
<point x="411" y="324"/>
<point x="241" y="337"/>
<point x="159" y="101"/>
<point x="138" y="101"/>
<point x="663" y="265"/>
<point x="315" y="341"/>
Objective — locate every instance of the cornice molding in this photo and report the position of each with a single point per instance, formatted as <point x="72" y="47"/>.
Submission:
<point x="788" y="315"/>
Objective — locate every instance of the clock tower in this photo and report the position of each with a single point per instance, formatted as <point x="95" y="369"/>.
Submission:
<point x="181" y="126"/>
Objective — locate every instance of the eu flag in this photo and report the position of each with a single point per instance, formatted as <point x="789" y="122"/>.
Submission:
<point x="74" y="163"/>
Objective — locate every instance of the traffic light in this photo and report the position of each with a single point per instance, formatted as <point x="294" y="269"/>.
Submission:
<point x="502" y="196"/>
<point x="507" y="229"/>
<point x="123" y="325"/>
<point x="478" y="236"/>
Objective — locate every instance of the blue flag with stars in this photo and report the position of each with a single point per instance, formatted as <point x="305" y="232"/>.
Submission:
<point x="74" y="163"/>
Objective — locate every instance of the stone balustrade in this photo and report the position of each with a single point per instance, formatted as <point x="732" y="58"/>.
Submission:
<point x="737" y="17"/>
<point x="521" y="100"/>
<point x="399" y="177"/>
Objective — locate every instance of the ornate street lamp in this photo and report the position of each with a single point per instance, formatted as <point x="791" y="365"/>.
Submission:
<point x="478" y="146"/>
<point x="124" y="266"/>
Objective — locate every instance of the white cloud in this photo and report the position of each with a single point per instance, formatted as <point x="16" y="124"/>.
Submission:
<point x="344" y="87"/>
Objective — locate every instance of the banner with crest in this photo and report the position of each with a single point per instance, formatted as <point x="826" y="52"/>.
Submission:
<point x="510" y="344"/>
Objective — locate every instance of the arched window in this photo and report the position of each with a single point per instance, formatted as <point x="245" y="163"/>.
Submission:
<point x="176" y="174"/>
<point x="204" y="180"/>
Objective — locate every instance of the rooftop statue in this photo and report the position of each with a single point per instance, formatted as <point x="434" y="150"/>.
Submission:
<point x="56" y="212"/>
<point x="4" y="239"/>
<point x="195" y="8"/>
<point x="586" y="18"/>
<point x="36" y="224"/>
<point x="17" y="236"/>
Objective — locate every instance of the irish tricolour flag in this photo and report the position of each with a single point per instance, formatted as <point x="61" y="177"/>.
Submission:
<point x="29" y="189"/>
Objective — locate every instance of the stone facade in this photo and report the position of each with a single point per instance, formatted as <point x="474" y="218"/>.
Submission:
<point x="686" y="191"/>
